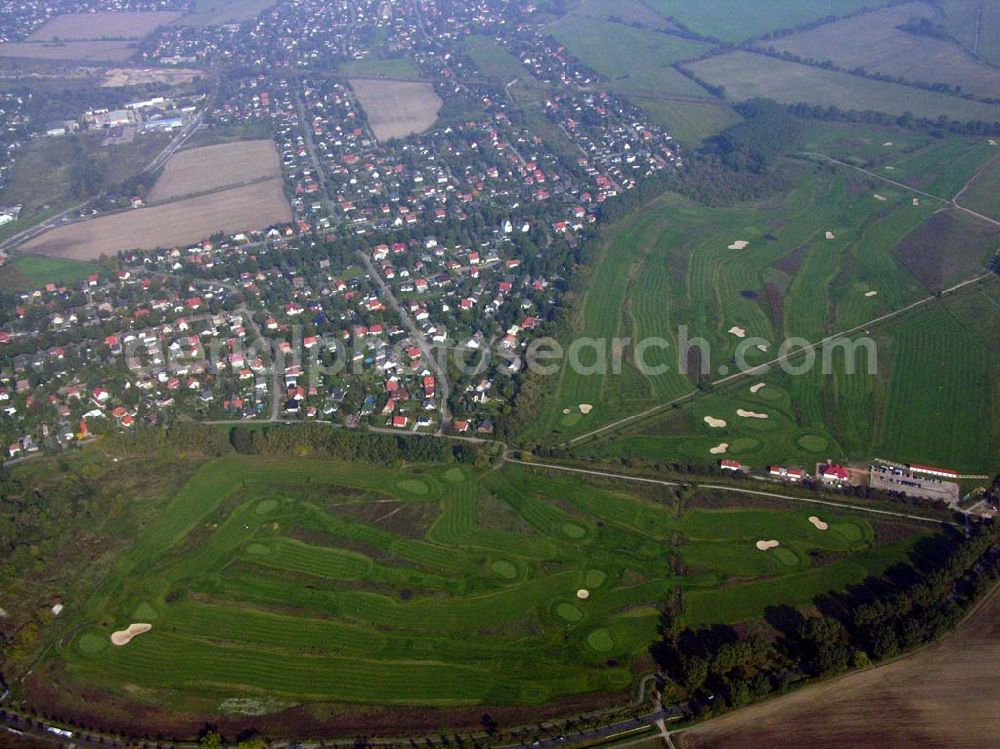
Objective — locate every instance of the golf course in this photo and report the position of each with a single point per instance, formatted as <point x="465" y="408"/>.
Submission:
<point x="321" y="582"/>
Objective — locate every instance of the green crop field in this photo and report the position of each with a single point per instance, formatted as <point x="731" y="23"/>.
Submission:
<point x="633" y="60"/>
<point x="746" y="75"/>
<point x="402" y="68"/>
<point x="493" y="61"/>
<point x="690" y="121"/>
<point x="435" y="586"/>
<point x="734" y="22"/>
<point x="983" y="192"/>
<point x="34" y="271"/>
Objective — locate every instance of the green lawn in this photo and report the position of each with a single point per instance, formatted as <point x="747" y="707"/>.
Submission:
<point x="34" y="271"/>
<point x="493" y="61"/>
<point x="217" y="12"/>
<point x="373" y="67"/>
<point x="434" y="586"/>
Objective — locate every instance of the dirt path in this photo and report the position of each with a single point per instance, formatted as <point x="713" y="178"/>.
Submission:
<point x="943" y="695"/>
<point x="732" y="489"/>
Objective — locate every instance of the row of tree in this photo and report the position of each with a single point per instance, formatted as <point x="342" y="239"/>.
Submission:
<point x="910" y="605"/>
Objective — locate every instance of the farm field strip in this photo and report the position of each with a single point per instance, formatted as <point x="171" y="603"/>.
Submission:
<point x="208" y="168"/>
<point x="115" y="25"/>
<point x="746" y="75"/>
<point x="182" y="222"/>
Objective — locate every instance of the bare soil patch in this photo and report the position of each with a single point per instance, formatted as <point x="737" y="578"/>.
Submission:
<point x="182" y="222"/>
<point x="103" y="25"/>
<point x="121" y="77"/>
<point x="93" y="51"/>
<point x="397" y="108"/>
<point x="208" y="168"/>
<point x="942" y="696"/>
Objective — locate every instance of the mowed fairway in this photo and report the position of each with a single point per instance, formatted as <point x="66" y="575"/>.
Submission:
<point x="396" y="109"/>
<point x="942" y="696"/>
<point x="255" y="206"/>
<point x="434" y="586"/>
<point x="746" y="75"/>
<point x="199" y="170"/>
<point x="673" y="266"/>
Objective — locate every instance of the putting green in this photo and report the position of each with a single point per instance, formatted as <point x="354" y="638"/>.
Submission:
<point x="144" y="613"/>
<point x="742" y="444"/>
<point x="568" y="612"/>
<point x="90" y="643"/>
<point x="455" y="475"/>
<point x="786" y="556"/>
<point x="258" y="550"/>
<point x="413" y="486"/>
<point x="504" y="569"/>
<point x="595" y="578"/>
<point x="814" y="443"/>
<point x="571" y="419"/>
<point x="573" y="530"/>
<point x="265" y="506"/>
<point x="601" y="640"/>
<point x="848" y="530"/>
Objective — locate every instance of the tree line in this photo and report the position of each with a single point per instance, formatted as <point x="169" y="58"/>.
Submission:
<point x="912" y="604"/>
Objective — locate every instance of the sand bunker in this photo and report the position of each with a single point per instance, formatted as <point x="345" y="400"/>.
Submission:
<point x="765" y="545"/>
<point x="870" y="294"/>
<point x="124" y="636"/>
<point x="916" y="201"/>
<point x="763" y="347"/>
<point x="830" y="235"/>
<point x="739" y="244"/>
<point x="992" y="142"/>
<point x="738" y="332"/>
<point x="818" y="523"/>
<point x="586" y="408"/>
<point x="744" y="414"/>
<point x="758" y="387"/>
<point x="887" y="143"/>
<point x="719" y="449"/>
<point x="567" y="411"/>
<point x="583" y="594"/>
<point x="714" y="422"/>
<point x="882" y="198"/>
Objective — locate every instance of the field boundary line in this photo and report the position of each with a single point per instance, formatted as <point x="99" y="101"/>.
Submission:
<point x="738" y="490"/>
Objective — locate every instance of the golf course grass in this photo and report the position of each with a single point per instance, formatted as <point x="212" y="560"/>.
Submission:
<point x="346" y="583"/>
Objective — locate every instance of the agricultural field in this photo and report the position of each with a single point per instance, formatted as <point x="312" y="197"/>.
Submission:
<point x="398" y="68"/>
<point x="396" y="109"/>
<point x="736" y="22"/>
<point x="633" y="60"/>
<point x="432" y="586"/>
<point x="875" y="42"/>
<point x="217" y="12"/>
<point x="89" y="51"/>
<point x="746" y="75"/>
<point x="690" y="121"/>
<point x="194" y="171"/>
<point x="940" y="696"/>
<point x="103" y="25"/>
<point x="182" y="222"/>
<point x="34" y="271"/>
<point x="493" y="61"/>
